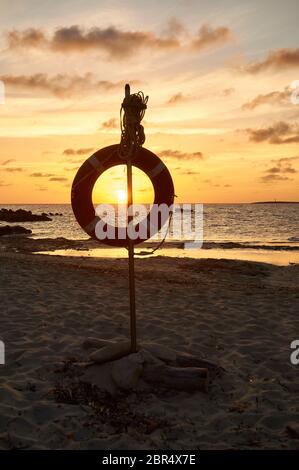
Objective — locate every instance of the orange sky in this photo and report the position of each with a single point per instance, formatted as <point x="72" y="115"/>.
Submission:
<point x="220" y="111"/>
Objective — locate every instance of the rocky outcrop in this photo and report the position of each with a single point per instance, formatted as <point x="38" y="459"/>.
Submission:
<point x="13" y="230"/>
<point x="21" y="215"/>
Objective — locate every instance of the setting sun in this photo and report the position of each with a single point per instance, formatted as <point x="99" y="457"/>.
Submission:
<point x="121" y="196"/>
<point x="111" y="187"/>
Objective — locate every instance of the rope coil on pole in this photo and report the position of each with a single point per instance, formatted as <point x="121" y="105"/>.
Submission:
<point x="131" y="114"/>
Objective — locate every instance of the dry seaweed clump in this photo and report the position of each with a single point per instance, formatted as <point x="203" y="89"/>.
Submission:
<point x="119" y="411"/>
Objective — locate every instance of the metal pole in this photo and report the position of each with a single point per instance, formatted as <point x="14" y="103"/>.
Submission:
<point x="131" y="249"/>
<point x="131" y="262"/>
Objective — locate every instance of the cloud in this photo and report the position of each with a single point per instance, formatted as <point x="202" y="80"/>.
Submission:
<point x="31" y="37"/>
<point x="279" y="133"/>
<point x="273" y="178"/>
<point x="61" y="85"/>
<point x="75" y="168"/>
<point x="6" y="162"/>
<point x="177" y="98"/>
<point x="282" y="167"/>
<point x="3" y="184"/>
<point x="278" y="169"/>
<point x="189" y="172"/>
<point x="174" y="28"/>
<point x="273" y="98"/>
<point x="216" y="185"/>
<point x="180" y="97"/>
<point x="115" y="42"/>
<point x="81" y="151"/>
<point x="58" y="178"/>
<point x="110" y="124"/>
<point x="177" y="154"/>
<point x="13" y="170"/>
<point x="286" y="159"/>
<point x="277" y="60"/>
<point x="228" y="91"/>
<point x="41" y="175"/>
<point x="210" y="37"/>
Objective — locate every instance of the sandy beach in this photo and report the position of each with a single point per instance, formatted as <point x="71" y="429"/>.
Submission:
<point x="240" y="315"/>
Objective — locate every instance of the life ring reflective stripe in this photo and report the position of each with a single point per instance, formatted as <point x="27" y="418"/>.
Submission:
<point x="101" y="161"/>
<point x="90" y="228"/>
<point x="156" y="171"/>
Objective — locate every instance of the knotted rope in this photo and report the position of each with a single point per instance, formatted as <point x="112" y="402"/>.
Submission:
<point x="132" y="132"/>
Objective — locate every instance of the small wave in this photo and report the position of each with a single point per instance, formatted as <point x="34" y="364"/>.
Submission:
<point x="293" y="239"/>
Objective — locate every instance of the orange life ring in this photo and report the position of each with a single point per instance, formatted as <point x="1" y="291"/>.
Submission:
<point x="101" y="161"/>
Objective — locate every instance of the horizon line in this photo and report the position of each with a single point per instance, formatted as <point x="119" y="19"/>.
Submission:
<point x="115" y="203"/>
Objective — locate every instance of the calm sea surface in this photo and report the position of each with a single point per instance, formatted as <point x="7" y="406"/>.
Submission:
<point x="272" y="227"/>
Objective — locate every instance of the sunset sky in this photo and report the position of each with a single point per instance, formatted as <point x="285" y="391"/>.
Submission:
<point x="218" y="74"/>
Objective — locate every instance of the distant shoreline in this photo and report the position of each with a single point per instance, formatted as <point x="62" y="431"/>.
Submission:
<point x="275" y="202"/>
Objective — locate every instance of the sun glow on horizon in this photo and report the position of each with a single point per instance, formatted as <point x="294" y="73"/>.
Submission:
<point x="121" y="196"/>
<point x="111" y="187"/>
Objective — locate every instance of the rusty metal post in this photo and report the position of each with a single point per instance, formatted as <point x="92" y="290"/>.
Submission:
<point x="131" y="249"/>
<point x="131" y="262"/>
